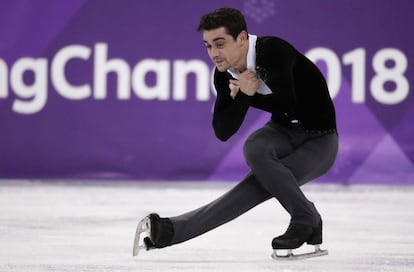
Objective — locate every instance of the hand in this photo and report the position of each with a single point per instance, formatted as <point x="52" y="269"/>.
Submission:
<point x="234" y="87"/>
<point x="248" y="83"/>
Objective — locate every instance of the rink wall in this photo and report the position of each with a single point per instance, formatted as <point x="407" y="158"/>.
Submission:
<point x="122" y="89"/>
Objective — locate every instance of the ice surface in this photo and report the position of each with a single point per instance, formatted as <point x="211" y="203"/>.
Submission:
<point x="60" y="226"/>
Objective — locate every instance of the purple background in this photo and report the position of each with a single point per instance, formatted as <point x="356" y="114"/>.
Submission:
<point x="141" y="139"/>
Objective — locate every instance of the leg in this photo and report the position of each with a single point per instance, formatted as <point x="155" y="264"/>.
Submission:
<point x="162" y="232"/>
<point x="251" y="192"/>
<point x="244" y="196"/>
<point x="282" y="160"/>
<point x="264" y="151"/>
<point x="256" y="187"/>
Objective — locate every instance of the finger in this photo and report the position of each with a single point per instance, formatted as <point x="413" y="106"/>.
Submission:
<point x="253" y="76"/>
<point x="249" y="76"/>
<point x="233" y="85"/>
<point x="233" y="94"/>
<point x="232" y="88"/>
<point x="248" y="72"/>
<point x="234" y="82"/>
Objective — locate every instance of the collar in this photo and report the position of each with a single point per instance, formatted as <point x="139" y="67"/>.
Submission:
<point x="251" y="65"/>
<point x="251" y="53"/>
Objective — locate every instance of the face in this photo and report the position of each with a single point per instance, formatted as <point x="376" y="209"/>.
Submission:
<point x="224" y="51"/>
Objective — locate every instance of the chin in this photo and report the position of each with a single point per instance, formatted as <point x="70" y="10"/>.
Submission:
<point x="222" y="68"/>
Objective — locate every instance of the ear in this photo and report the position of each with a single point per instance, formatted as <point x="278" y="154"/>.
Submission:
<point x="243" y="36"/>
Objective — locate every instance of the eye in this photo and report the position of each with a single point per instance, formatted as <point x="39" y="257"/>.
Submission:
<point x="220" y="45"/>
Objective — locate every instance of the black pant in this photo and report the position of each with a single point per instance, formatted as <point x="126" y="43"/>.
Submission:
<point x="281" y="160"/>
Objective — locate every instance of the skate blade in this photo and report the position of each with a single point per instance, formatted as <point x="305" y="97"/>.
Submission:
<point x="144" y="226"/>
<point x="293" y="257"/>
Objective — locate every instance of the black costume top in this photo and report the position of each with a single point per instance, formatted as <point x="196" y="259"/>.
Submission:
<point x="299" y="96"/>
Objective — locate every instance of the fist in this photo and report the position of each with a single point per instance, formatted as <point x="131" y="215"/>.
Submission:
<point x="248" y="82"/>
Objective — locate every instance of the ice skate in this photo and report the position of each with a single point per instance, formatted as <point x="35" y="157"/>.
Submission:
<point x="144" y="226"/>
<point x="158" y="231"/>
<point x="294" y="237"/>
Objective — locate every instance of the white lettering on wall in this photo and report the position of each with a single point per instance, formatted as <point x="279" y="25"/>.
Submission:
<point x="34" y="94"/>
<point x="3" y="79"/>
<point x="160" y="90"/>
<point x="383" y="73"/>
<point x="103" y="66"/>
<point x="60" y="82"/>
<point x="27" y="78"/>
<point x="201" y="70"/>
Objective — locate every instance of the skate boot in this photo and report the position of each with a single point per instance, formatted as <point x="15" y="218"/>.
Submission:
<point x="159" y="233"/>
<point x="294" y="237"/>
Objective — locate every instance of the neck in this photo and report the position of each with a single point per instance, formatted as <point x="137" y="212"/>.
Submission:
<point x="242" y="68"/>
<point x="242" y="65"/>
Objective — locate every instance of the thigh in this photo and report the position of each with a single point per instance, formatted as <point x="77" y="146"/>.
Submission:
<point x="307" y="157"/>
<point x="269" y="139"/>
<point x="313" y="158"/>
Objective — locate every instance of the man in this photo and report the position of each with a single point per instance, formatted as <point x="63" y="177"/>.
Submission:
<point x="297" y="145"/>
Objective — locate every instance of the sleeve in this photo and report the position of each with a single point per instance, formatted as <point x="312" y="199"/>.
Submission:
<point x="229" y="113"/>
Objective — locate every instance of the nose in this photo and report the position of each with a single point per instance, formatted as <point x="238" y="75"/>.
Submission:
<point x="213" y="53"/>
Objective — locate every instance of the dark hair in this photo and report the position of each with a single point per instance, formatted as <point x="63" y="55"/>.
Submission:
<point x="232" y="19"/>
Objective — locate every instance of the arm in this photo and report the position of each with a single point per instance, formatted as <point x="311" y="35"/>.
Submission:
<point x="228" y="112"/>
